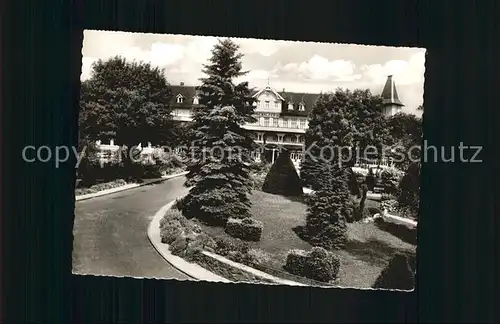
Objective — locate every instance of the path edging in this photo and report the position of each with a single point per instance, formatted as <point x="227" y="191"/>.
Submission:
<point x="251" y="270"/>
<point x="192" y="270"/>
<point x="126" y="187"/>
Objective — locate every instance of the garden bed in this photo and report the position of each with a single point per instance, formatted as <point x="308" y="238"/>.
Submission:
<point x="100" y="187"/>
<point x="120" y="182"/>
<point x="226" y="271"/>
<point x="368" y="251"/>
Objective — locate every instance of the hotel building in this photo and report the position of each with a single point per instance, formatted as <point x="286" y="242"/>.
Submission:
<point x="281" y="116"/>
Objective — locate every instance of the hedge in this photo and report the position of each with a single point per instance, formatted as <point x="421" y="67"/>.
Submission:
<point x="318" y="264"/>
<point x="247" y="229"/>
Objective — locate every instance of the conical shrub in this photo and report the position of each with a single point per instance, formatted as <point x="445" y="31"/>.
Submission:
<point x="397" y="275"/>
<point x="282" y="178"/>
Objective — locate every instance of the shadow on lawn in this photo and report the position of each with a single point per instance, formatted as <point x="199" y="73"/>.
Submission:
<point x="372" y="251"/>
<point x="403" y="232"/>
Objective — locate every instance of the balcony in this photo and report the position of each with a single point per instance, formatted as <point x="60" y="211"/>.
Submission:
<point x="256" y="127"/>
<point x="276" y="142"/>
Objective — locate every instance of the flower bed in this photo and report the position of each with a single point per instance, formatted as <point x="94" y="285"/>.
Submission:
<point x="100" y="187"/>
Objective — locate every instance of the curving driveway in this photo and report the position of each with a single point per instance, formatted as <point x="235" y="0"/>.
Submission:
<point x="110" y="232"/>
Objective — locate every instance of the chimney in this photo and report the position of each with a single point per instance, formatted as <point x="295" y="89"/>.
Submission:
<point x="112" y="142"/>
<point x="283" y="90"/>
<point x="182" y="83"/>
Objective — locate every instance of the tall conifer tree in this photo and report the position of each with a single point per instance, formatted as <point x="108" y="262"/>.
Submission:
<point x="218" y="168"/>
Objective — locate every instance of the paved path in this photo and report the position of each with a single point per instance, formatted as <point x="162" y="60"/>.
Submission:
<point x="110" y="232"/>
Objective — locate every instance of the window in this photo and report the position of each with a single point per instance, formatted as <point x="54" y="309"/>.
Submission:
<point x="275" y="122"/>
<point x="180" y="98"/>
<point x="259" y="137"/>
<point x="196" y="100"/>
<point x="302" y="123"/>
<point x="266" y="121"/>
<point x="302" y="107"/>
<point x="294" y="123"/>
<point x="267" y="105"/>
<point x="290" y="106"/>
<point x="276" y="105"/>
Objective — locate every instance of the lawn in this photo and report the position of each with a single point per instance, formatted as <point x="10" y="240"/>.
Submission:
<point x="366" y="254"/>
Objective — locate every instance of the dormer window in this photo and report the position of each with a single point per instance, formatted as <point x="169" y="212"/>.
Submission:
<point x="290" y="106"/>
<point x="302" y="107"/>
<point x="196" y="100"/>
<point x="180" y="98"/>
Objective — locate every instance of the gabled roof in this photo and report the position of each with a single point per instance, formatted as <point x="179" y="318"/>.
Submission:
<point x="268" y="88"/>
<point x="295" y="98"/>
<point x="390" y="94"/>
<point x="188" y="92"/>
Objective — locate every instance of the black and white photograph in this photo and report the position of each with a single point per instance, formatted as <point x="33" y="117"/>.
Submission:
<point x="238" y="160"/>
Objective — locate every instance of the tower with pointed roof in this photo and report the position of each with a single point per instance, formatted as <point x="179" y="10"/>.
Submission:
<point x="390" y="99"/>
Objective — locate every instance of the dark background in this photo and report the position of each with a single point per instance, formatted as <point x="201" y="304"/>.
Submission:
<point x="41" y="54"/>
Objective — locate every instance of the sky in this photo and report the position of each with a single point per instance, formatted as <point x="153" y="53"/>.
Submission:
<point x="295" y="66"/>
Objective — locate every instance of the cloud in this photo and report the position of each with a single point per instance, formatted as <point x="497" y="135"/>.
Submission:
<point x="318" y="68"/>
<point x="404" y="72"/>
<point x="296" y="66"/>
<point x="264" y="47"/>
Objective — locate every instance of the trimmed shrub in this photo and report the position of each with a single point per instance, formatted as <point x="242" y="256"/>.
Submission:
<point x="282" y="178"/>
<point x="247" y="229"/>
<point x="323" y="265"/>
<point x="328" y="209"/>
<point x="296" y="262"/>
<point x="317" y="264"/>
<point x="397" y="275"/>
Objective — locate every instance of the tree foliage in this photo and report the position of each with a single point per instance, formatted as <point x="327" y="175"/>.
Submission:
<point x="329" y="136"/>
<point x="345" y="119"/>
<point x="128" y="102"/>
<point x="369" y="125"/>
<point x="405" y="133"/>
<point x="218" y="174"/>
<point x="409" y="189"/>
<point x="282" y="178"/>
